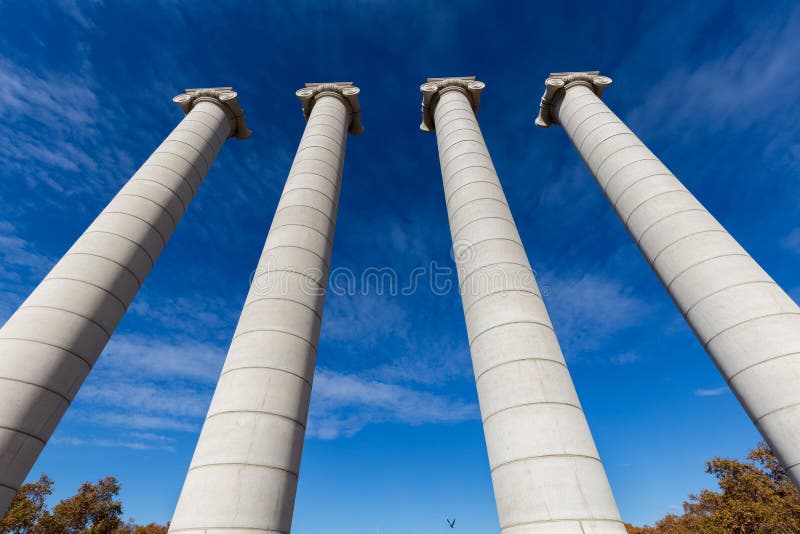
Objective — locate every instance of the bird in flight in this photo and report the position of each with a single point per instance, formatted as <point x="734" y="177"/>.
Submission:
<point x="452" y="523"/>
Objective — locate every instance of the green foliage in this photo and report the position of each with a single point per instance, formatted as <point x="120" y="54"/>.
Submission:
<point x="93" y="510"/>
<point x="755" y="497"/>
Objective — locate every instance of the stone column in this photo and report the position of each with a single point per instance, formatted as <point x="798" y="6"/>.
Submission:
<point x="50" y="344"/>
<point x="744" y="320"/>
<point x="546" y="471"/>
<point x="243" y="476"/>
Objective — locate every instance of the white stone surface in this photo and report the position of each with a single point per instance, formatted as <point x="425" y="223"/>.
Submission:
<point x="50" y="344"/>
<point x="243" y="476"/>
<point x="748" y="325"/>
<point x="546" y="472"/>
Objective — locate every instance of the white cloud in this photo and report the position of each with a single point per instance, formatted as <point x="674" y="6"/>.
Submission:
<point x="77" y="11"/>
<point x="362" y="317"/>
<point x="750" y="84"/>
<point x="144" y="357"/>
<point x="146" y="384"/>
<point x="199" y="316"/>
<point x="343" y="404"/>
<point x="18" y="253"/>
<point x="791" y="241"/>
<point x="21" y="267"/>
<point x="131" y="440"/>
<point x="587" y="311"/>
<point x="625" y="358"/>
<point x="710" y="392"/>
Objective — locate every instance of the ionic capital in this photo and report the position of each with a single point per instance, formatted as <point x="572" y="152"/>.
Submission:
<point x="344" y="91"/>
<point x="224" y="97"/>
<point x="558" y="82"/>
<point x="435" y="87"/>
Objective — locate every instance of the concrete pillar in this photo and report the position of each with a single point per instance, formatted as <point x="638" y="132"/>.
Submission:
<point x="546" y="471"/>
<point x="744" y="320"/>
<point x="243" y="476"/>
<point x="50" y="344"/>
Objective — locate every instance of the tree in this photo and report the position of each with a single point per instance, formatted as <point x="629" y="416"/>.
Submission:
<point x="152" y="528"/>
<point x="93" y="510"/>
<point x="756" y="497"/>
<point x="27" y="508"/>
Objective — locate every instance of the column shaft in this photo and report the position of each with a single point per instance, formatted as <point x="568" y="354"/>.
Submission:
<point x="50" y="344"/>
<point x="244" y="472"/>
<point x="748" y="325"/>
<point x="546" y="471"/>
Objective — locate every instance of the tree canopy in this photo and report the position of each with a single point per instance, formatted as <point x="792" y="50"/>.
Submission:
<point x="755" y="497"/>
<point x="94" y="509"/>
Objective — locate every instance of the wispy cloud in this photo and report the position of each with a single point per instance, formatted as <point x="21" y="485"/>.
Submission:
<point x="21" y="267"/>
<point x="362" y="317"/>
<point x="149" y="384"/>
<point x="131" y="440"/>
<point x="746" y="85"/>
<point x="791" y="242"/>
<point x="18" y="257"/>
<point x="626" y="358"/>
<point x="587" y="311"/>
<point x="78" y="11"/>
<point x="710" y="392"/>
<point x="343" y="404"/>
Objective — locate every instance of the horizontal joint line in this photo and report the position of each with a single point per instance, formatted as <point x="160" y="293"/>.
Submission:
<point x="642" y="203"/>
<point x="686" y="314"/>
<point x="174" y="193"/>
<point x="518" y="360"/>
<point x="527" y="404"/>
<point x="715" y="336"/>
<point x="49" y="278"/>
<point x="34" y="436"/>
<point x="242" y="464"/>
<point x="740" y="371"/>
<point x="453" y="214"/>
<point x="133" y="274"/>
<point x="181" y="176"/>
<point x="501" y="292"/>
<point x="548" y="326"/>
<point x="284" y="299"/>
<point x="81" y="358"/>
<point x="702" y="262"/>
<point x="244" y="367"/>
<point x="54" y="392"/>
<point x="655" y="258"/>
<point x="56" y="308"/>
<point x="638" y="180"/>
<point x="259" y="412"/>
<point x="495" y="183"/>
<point x="544" y="456"/>
<point x="298" y="336"/>
<point x="163" y="208"/>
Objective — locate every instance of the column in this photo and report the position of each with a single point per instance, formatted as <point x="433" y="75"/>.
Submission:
<point x="243" y="476"/>
<point x="546" y="471"/>
<point x="50" y="344"/>
<point x="744" y="320"/>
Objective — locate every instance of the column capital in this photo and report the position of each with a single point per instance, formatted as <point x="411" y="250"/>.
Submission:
<point x="344" y="91"/>
<point x="435" y="87"/>
<point x="558" y="82"/>
<point x="224" y="97"/>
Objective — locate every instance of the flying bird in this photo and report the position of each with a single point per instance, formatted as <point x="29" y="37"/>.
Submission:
<point x="452" y="523"/>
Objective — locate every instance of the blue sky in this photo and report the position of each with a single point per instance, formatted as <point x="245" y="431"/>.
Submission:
<point x="395" y="441"/>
